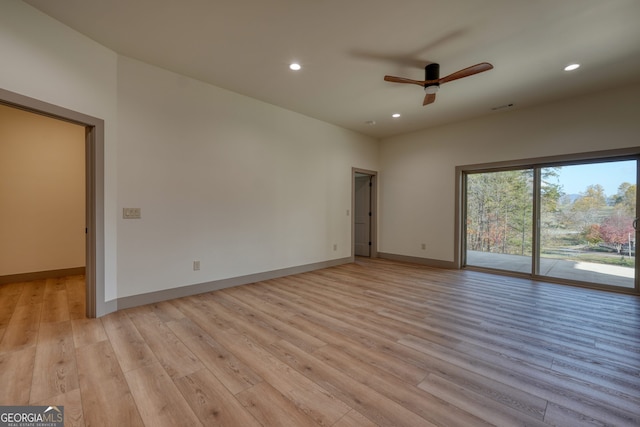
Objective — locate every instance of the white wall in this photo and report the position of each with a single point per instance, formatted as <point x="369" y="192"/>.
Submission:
<point x="46" y="60"/>
<point x="42" y="193"/>
<point x="242" y="186"/>
<point x="246" y="187"/>
<point x="418" y="170"/>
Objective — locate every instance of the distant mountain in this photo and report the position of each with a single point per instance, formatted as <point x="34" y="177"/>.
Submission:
<point x="568" y="199"/>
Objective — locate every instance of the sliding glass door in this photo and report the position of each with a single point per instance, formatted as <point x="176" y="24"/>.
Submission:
<point x="586" y="227"/>
<point x="573" y="222"/>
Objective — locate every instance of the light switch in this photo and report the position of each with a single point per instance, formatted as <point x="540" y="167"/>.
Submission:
<point x="131" y="213"/>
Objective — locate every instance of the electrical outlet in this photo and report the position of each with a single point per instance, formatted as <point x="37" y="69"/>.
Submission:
<point x="335" y="247"/>
<point x="196" y="265"/>
<point x="424" y="246"/>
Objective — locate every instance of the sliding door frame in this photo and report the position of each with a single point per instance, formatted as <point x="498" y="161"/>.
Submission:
<point x="536" y="164"/>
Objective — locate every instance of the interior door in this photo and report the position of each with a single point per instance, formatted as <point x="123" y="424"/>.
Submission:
<point x="362" y="215"/>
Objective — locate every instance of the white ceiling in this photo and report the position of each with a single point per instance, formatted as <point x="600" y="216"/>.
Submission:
<point x="347" y="46"/>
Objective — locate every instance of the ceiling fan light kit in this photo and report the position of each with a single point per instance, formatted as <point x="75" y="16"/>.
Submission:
<point x="432" y="80"/>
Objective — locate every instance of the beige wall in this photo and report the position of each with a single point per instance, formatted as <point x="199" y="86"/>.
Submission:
<point x="42" y="193"/>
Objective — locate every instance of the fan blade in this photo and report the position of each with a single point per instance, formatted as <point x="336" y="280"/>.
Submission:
<point x="403" y="80"/>
<point x="469" y="71"/>
<point x="429" y="98"/>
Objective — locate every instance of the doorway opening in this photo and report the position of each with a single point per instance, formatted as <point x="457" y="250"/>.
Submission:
<point x="94" y="191"/>
<point x="364" y="205"/>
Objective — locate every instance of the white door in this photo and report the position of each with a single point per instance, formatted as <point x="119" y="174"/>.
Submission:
<point x="362" y="215"/>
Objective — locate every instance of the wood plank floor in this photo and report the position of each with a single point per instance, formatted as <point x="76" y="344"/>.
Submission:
<point x="374" y="343"/>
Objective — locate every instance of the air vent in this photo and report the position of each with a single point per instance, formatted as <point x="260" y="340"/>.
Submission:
<point x="502" y="107"/>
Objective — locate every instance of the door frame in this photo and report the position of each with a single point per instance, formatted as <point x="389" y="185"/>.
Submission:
<point x="94" y="188"/>
<point x="373" y="252"/>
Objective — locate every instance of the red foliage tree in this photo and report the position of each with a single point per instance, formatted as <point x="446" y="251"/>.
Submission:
<point x="616" y="229"/>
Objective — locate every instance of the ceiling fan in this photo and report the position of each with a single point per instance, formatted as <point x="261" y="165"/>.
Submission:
<point x="432" y="80"/>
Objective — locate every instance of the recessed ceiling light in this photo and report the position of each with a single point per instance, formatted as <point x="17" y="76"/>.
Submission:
<point x="295" y="66"/>
<point x="572" y="67"/>
<point x="395" y="115"/>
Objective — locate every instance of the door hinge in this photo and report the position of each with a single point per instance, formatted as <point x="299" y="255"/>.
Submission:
<point x="369" y="243"/>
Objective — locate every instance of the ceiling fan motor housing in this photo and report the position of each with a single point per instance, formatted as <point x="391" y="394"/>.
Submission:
<point x="432" y="72"/>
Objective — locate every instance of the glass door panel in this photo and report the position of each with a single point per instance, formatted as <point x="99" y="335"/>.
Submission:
<point x="499" y="212"/>
<point x="586" y="223"/>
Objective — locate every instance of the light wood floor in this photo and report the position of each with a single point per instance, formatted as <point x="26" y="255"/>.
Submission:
<point x="364" y="344"/>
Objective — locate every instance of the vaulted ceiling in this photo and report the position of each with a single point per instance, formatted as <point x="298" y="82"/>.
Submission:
<point x="346" y="47"/>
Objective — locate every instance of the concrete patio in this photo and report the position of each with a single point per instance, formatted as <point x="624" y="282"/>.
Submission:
<point x="604" y="274"/>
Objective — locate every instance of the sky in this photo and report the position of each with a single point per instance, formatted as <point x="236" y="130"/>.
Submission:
<point x="575" y="179"/>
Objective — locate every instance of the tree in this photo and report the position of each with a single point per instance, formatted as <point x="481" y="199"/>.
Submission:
<point x="617" y="229"/>
<point x="625" y="199"/>
<point x="592" y="234"/>
<point x="499" y="211"/>
<point x="588" y="208"/>
<point x="592" y="198"/>
<point x="550" y="193"/>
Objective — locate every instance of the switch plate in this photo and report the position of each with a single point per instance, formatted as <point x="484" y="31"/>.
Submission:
<point x="131" y="213"/>
<point x="196" y="265"/>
